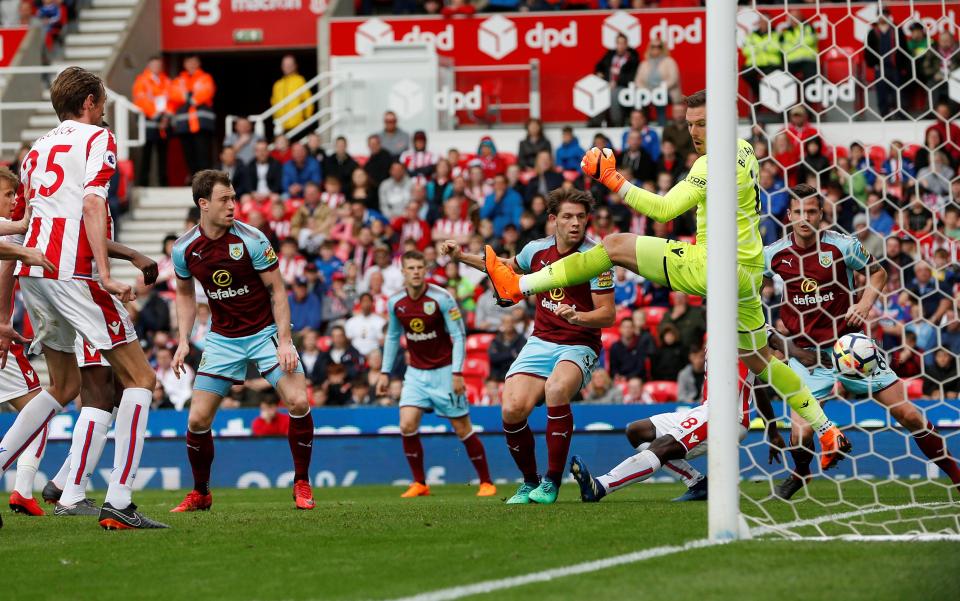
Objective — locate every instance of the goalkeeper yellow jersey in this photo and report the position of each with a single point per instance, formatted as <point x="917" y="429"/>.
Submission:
<point x="692" y="191"/>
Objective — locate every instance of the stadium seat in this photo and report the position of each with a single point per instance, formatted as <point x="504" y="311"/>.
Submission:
<point x="654" y="317"/>
<point x="476" y="368"/>
<point x="323" y="343"/>
<point x="877" y="154"/>
<point x="914" y="388"/>
<point x="479" y="341"/>
<point x="661" y="391"/>
<point x="607" y="339"/>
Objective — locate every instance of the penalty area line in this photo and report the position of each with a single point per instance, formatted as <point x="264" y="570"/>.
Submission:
<point x="489" y="586"/>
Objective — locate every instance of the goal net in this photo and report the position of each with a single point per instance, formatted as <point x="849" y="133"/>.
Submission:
<point x="859" y="101"/>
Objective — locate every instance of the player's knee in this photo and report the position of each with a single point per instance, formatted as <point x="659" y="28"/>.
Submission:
<point x="667" y="448"/>
<point x="620" y="247"/>
<point x="909" y="416"/>
<point x="408" y="428"/>
<point x="557" y="391"/>
<point x="513" y="411"/>
<point x="638" y="432"/>
<point x="198" y="422"/>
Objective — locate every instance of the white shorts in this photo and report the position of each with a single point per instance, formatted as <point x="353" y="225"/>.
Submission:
<point x="18" y="377"/>
<point x="689" y="428"/>
<point x="88" y="355"/>
<point x="61" y="309"/>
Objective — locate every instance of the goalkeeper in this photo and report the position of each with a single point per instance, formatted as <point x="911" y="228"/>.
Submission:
<point x="683" y="267"/>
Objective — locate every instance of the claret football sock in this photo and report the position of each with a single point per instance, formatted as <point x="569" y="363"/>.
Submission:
<point x="559" y="436"/>
<point x="29" y="425"/>
<point x="128" y="440"/>
<point x="200" y="454"/>
<point x="477" y="455"/>
<point x="89" y="438"/>
<point x="300" y="437"/>
<point x="522" y="447"/>
<point x="574" y="269"/>
<point x="413" y="449"/>
<point x="934" y="447"/>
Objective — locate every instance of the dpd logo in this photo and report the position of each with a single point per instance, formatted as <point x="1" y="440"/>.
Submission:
<point x="671" y="35"/>
<point x="779" y="91"/>
<point x="407" y="99"/>
<point x="547" y="38"/>
<point x="377" y="31"/>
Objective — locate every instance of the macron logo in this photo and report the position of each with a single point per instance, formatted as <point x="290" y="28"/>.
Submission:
<point x="115" y="327"/>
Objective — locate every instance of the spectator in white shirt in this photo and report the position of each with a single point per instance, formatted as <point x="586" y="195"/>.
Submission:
<point x="179" y="390"/>
<point x="365" y="329"/>
<point x="395" y="192"/>
<point x="452" y="226"/>
<point x="392" y="276"/>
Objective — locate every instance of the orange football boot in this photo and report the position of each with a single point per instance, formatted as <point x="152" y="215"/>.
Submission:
<point x="416" y="490"/>
<point x="303" y="495"/>
<point x="506" y="282"/>
<point x="487" y="489"/>
<point x="833" y="446"/>
<point x="24" y="505"/>
<point x="194" y="501"/>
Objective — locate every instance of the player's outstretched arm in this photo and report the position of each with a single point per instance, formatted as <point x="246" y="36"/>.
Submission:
<point x="186" y="305"/>
<point x="602" y="166"/>
<point x="452" y="248"/>
<point x="286" y="353"/>
<point x="29" y="256"/>
<point x="145" y="264"/>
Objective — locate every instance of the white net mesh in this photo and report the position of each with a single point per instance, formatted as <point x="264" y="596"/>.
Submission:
<point x="860" y="102"/>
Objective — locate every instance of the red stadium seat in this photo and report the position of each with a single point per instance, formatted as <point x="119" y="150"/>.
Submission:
<point x="476" y="368"/>
<point x="479" y="341"/>
<point x="323" y="343"/>
<point x="877" y="154"/>
<point x="623" y="313"/>
<point x="914" y="388"/>
<point x="607" y="339"/>
<point x="654" y="317"/>
<point x="474" y="391"/>
<point x="661" y="391"/>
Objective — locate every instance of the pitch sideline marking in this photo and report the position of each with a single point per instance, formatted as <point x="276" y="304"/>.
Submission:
<point x="489" y="586"/>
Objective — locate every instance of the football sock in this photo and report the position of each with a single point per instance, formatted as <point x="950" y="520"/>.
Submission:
<point x="687" y="473"/>
<point x="29" y="425"/>
<point x="200" y="453"/>
<point x="522" y="447"/>
<point x="60" y="479"/>
<point x="790" y="387"/>
<point x="681" y="467"/>
<point x="128" y="442"/>
<point x="569" y="271"/>
<point x="477" y="455"/>
<point x="27" y="465"/>
<point x="89" y="438"/>
<point x="635" y="468"/>
<point x="413" y="449"/>
<point x="300" y="437"/>
<point x="802" y="453"/>
<point x="559" y="435"/>
<point x="933" y="446"/>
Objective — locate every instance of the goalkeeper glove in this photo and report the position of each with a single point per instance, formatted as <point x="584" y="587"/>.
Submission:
<point x="601" y="165"/>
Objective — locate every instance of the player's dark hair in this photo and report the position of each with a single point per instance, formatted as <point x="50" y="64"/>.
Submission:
<point x="697" y="99"/>
<point x="10" y="177"/>
<point x="801" y="191"/>
<point x="204" y="181"/>
<point x="70" y="90"/>
<point x="412" y="255"/>
<point x="557" y="197"/>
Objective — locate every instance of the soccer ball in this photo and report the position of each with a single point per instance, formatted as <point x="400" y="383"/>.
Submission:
<point x="855" y="356"/>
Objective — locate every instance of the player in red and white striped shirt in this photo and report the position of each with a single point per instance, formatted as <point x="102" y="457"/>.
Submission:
<point x="666" y="440"/>
<point x="419" y="161"/>
<point x="452" y="226"/>
<point x="292" y="264"/>
<point x="65" y="180"/>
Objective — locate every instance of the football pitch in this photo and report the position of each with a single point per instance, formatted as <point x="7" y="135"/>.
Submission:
<point x="367" y="543"/>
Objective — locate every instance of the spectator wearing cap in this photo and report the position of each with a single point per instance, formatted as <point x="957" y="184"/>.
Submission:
<point x="502" y="206"/>
<point x="395" y="191"/>
<point x="799" y="129"/>
<point x="300" y="169"/>
<point x="419" y="162"/>
<point x="546" y="178"/>
<point x="569" y="153"/>
<point x="490" y="162"/>
<point x="305" y="308"/>
<point x="394" y="140"/>
<point x="365" y="329"/>
<point x="532" y="145"/>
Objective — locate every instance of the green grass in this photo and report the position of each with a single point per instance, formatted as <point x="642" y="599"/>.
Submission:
<point x="366" y="543"/>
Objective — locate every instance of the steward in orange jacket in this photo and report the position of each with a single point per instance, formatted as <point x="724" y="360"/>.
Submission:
<point x="191" y="95"/>
<point x="151" y="93"/>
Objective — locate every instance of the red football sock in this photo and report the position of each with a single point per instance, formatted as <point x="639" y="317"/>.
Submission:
<point x="413" y="449"/>
<point x="300" y="437"/>
<point x="559" y="435"/>
<point x="522" y="447"/>
<point x="478" y="457"/>
<point x="933" y="446"/>
<point x="200" y="453"/>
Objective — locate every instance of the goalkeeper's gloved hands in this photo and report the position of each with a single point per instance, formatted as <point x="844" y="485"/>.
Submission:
<point x="601" y="165"/>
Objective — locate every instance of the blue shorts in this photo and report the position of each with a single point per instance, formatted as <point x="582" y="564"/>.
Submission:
<point x="432" y="390"/>
<point x="224" y="360"/>
<point x="539" y="358"/>
<point x="821" y="381"/>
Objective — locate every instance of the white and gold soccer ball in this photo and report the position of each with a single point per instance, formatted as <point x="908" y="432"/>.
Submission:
<point x="856" y="356"/>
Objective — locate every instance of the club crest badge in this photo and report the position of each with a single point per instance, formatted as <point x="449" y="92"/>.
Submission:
<point x="826" y="259"/>
<point x="236" y="251"/>
<point x="430" y="307"/>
